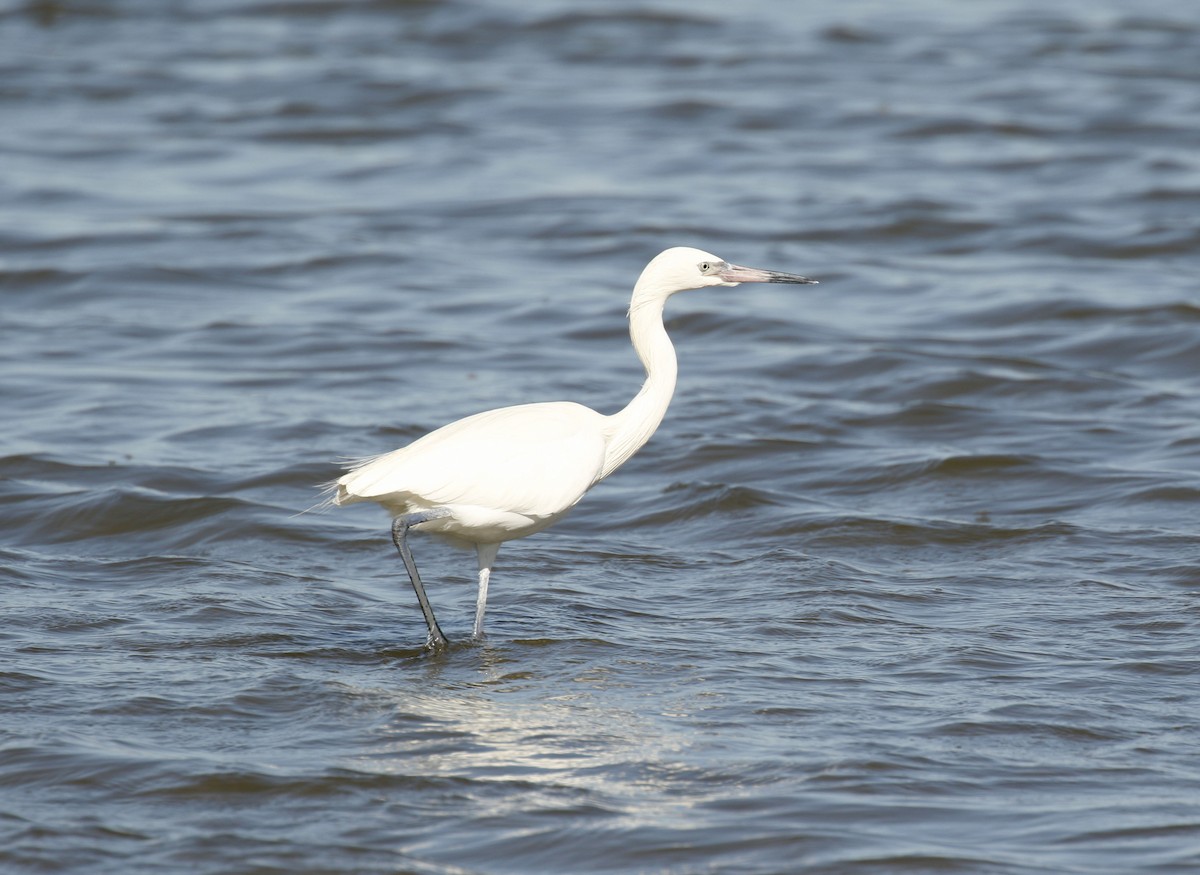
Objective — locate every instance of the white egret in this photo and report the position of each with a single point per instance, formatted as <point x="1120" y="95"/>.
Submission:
<point x="508" y="473"/>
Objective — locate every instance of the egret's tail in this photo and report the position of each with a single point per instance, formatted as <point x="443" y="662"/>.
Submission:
<point x="333" y="493"/>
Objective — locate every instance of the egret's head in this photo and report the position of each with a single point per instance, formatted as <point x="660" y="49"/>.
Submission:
<point x="682" y="268"/>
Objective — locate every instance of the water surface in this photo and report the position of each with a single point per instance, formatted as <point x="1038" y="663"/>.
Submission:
<point x="906" y="583"/>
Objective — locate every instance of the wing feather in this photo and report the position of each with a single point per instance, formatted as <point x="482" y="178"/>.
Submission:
<point x="535" y="459"/>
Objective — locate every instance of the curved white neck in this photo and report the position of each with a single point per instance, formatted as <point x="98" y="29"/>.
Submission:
<point x="630" y="428"/>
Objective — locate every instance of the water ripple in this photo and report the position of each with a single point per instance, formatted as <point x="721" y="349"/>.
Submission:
<point x="906" y="581"/>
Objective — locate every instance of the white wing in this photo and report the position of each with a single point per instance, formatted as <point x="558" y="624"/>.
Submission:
<point x="536" y="460"/>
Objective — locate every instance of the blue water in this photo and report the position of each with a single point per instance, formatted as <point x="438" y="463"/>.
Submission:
<point x="907" y="582"/>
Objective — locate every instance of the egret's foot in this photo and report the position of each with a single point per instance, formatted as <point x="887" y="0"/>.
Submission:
<point x="436" y="643"/>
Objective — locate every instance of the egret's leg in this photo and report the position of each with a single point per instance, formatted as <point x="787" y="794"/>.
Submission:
<point x="400" y="527"/>
<point x="487" y="557"/>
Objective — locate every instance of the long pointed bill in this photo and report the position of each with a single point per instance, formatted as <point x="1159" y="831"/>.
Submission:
<point x="735" y="273"/>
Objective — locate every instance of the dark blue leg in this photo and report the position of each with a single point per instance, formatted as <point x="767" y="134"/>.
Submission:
<point x="400" y="527"/>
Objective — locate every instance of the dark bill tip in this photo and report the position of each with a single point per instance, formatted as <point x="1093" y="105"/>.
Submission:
<point x="735" y="273"/>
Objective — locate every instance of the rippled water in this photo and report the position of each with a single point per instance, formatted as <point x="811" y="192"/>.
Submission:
<point x="906" y="583"/>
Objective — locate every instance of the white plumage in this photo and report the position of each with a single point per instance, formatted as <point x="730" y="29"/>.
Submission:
<point x="503" y="473"/>
<point x="508" y="473"/>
